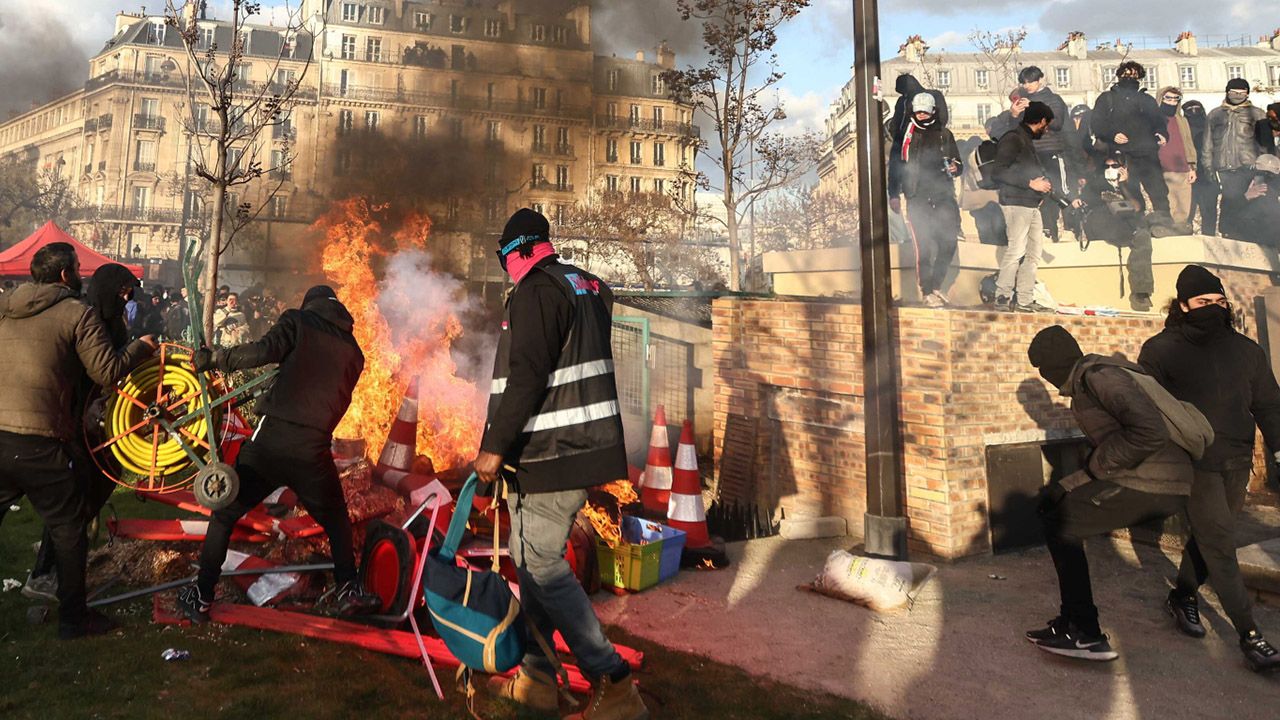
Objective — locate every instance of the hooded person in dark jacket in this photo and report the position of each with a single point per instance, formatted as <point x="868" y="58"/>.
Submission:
<point x="554" y="429"/>
<point x="908" y="87"/>
<point x="1111" y="216"/>
<point x="319" y="365"/>
<point x="1202" y="360"/>
<point x="1023" y="187"/>
<point x="1204" y="191"/>
<point x="1052" y="147"/>
<point x="1127" y="119"/>
<point x="109" y="289"/>
<point x="1139" y="470"/>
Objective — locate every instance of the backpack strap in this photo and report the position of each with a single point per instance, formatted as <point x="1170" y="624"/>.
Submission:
<point x="458" y="523"/>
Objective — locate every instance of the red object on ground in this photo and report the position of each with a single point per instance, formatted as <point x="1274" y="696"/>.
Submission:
<point x="175" y="530"/>
<point x="390" y="642"/>
<point x="257" y="519"/>
<point x="656" y="490"/>
<point x="16" y="261"/>
<point x="684" y="510"/>
<point x="261" y="589"/>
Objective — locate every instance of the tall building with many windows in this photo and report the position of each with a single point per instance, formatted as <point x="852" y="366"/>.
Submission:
<point x="499" y="105"/>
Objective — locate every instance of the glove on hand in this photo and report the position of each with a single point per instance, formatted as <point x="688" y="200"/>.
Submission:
<point x="202" y="359"/>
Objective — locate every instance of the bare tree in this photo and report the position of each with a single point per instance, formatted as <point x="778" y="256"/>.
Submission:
<point x="802" y="217"/>
<point x="732" y="89"/>
<point x="30" y="195"/>
<point x="232" y="119"/>
<point x="998" y="53"/>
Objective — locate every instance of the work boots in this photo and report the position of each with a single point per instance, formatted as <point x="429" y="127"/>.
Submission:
<point x="614" y="700"/>
<point x="529" y="688"/>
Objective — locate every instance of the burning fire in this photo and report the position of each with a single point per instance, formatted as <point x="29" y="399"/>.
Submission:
<point x="603" y="518"/>
<point x="451" y="410"/>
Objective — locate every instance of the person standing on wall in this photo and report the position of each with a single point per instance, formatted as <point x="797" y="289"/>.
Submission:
<point x="1127" y="119"/>
<point x="924" y="173"/>
<point x="1201" y="359"/>
<point x="1231" y="147"/>
<point x="1177" y="158"/>
<point x="1022" y="187"/>
<point x="554" y="429"/>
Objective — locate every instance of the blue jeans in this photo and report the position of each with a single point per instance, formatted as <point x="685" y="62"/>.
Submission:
<point x="553" y="598"/>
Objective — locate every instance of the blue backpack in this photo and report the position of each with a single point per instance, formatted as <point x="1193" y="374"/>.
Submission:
<point x="474" y="611"/>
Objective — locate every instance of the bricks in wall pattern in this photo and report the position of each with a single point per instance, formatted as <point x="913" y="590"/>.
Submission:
<point x="963" y="376"/>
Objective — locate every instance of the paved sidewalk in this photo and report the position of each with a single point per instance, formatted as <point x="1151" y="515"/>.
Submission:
<point x="960" y="652"/>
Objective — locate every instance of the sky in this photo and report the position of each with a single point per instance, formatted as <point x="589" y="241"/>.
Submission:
<point x="814" y="51"/>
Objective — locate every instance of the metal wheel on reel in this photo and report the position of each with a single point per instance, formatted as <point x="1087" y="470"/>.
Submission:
<point x="216" y="485"/>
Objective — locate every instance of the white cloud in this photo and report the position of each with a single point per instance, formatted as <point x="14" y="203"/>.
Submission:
<point x="951" y="41"/>
<point x="805" y="113"/>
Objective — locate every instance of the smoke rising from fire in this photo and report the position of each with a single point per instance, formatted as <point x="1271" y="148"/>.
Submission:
<point x="625" y="26"/>
<point x="54" y="68"/>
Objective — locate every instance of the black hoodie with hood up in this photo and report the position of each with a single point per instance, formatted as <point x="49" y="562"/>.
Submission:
<point x="320" y="362"/>
<point x="908" y="87"/>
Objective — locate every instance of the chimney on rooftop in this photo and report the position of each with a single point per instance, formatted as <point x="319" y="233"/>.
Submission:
<point x="1077" y="45"/>
<point x="1275" y="39"/>
<point x="1186" y="44"/>
<point x="913" y="49"/>
<point x="640" y="55"/>
<point x="666" y="56"/>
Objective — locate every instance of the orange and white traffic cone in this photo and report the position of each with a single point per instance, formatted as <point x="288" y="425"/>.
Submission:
<point x="684" y="510"/>
<point x="261" y="589"/>
<point x="656" y="491"/>
<point x="395" y="462"/>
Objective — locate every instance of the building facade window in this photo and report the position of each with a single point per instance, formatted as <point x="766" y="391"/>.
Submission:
<point x="420" y="126"/>
<point x="982" y="78"/>
<point x="657" y="117"/>
<point x="350" y="12"/>
<point x="206" y="39"/>
<point x="377" y="14"/>
<point x="457" y="24"/>
<point x="539" y="98"/>
<point x="944" y="78"/>
<point x="1108" y="76"/>
<point x="635" y="114"/>
<point x="559" y="34"/>
<point x="657" y="85"/>
<point x="422" y="20"/>
<point x="659" y="187"/>
<point x="1062" y="77"/>
<point x="348" y="47"/>
<point x="494" y="133"/>
<point x="346" y="121"/>
<point x="611" y="183"/>
<point x="455" y="128"/>
<point x="538" y="32"/>
<point x="141" y="198"/>
<point x="562" y="140"/>
<point x="492" y="28"/>
<point x="611" y="150"/>
<point x="612" y="79"/>
<point x="1235" y="72"/>
<point x="611" y="110"/>
<point x="539" y="174"/>
<point x="1187" y="77"/>
<point x="279" y="205"/>
<point x="371" y="120"/>
<point x="1152" y="81"/>
<point x="636" y="152"/>
<point x="562" y="177"/>
<point x="984" y="113"/>
<point x="373" y="49"/>
<point x="659" y="154"/>
<point x="538" y="208"/>
<point x="635" y="185"/>
<point x="539" y="138"/>
<point x="145" y="156"/>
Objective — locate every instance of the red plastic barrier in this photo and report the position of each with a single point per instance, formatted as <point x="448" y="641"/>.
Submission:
<point x="175" y="530"/>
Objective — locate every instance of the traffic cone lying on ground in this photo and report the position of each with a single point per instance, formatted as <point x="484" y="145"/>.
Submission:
<point x="656" y="491"/>
<point x="395" y="463"/>
<point x="685" y="510"/>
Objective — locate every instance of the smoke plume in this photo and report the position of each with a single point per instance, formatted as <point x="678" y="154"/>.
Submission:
<point x="39" y="59"/>
<point x="625" y="26"/>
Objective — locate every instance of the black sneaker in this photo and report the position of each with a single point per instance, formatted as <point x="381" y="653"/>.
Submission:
<point x="1140" y="302"/>
<point x="1002" y="302"/>
<point x="193" y="605"/>
<point x="91" y="623"/>
<point x="1259" y="653"/>
<point x="1073" y="643"/>
<point x="1033" y="307"/>
<point x="1186" y="615"/>
<point x="1056" y="627"/>
<point x="352" y="599"/>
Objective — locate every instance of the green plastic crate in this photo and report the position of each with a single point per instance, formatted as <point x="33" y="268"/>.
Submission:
<point x="634" y="566"/>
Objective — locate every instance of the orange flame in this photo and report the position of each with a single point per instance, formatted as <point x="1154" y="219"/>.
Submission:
<point x="609" y="529"/>
<point x="451" y="414"/>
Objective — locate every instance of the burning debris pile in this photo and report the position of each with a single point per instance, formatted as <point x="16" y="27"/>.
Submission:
<point x="407" y="318"/>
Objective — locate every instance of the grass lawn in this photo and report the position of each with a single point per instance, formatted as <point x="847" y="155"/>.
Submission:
<point x="243" y="673"/>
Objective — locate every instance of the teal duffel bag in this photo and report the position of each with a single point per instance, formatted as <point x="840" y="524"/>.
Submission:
<point x="474" y="611"/>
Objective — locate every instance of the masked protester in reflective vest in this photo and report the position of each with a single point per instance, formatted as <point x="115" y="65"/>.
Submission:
<point x="554" y="429"/>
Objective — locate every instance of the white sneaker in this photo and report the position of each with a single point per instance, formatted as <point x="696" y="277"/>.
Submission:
<point x="932" y="300"/>
<point x="942" y="296"/>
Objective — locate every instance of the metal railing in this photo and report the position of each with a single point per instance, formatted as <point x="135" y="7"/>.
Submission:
<point x="131" y="214"/>
<point x="141" y="166"/>
<point x="446" y="100"/>
<point x="143" y="121"/>
<point x="565" y="149"/>
<point x="278" y="174"/>
<point x="284" y="132"/>
<point x="91" y="125"/>
<point x="545" y="184"/>
<point x="615" y="122"/>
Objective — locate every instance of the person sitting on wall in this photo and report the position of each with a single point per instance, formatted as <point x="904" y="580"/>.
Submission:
<point x="1260" y="217"/>
<point x="1112" y="215"/>
<point x="1139" y="470"/>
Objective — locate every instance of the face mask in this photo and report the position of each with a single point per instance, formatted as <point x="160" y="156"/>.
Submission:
<point x="1128" y="82"/>
<point x="1168" y="110"/>
<point x="1207" y="322"/>
<point x="926" y="122"/>
<point x="1112" y="175"/>
<point x="1057" y="375"/>
<point x="1235" y="97"/>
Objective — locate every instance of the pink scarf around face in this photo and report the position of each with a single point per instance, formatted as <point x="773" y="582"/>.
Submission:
<point x="518" y="266"/>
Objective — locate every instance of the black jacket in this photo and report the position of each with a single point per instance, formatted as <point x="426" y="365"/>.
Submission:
<point x="541" y="316"/>
<point x="1128" y="109"/>
<point x="1229" y="379"/>
<point x="908" y="87"/>
<point x="320" y="363"/>
<point x="922" y="174"/>
<point x="1100" y="223"/>
<point x="1015" y="166"/>
<point x="1057" y="137"/>
<point x="1132" y="444"/>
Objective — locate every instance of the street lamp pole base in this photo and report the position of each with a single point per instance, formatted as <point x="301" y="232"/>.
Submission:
<point x="885" y="537"/>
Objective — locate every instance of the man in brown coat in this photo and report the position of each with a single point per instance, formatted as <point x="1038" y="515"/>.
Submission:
<point x="51" y="339"/>
<point x="1177" y="156"/>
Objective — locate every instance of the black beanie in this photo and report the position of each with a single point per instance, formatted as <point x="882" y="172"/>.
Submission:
<point x="526" y="223"/>
<point x="1195" y="280"/>
<point x="319" y="292"/>
<point x="1237" y="84"/>
<point x="1035" y="112"/>
<point x="1053" y="347"/>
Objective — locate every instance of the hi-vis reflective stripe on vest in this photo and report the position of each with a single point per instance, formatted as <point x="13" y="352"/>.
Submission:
<point x="564" y="376"/>
<point x="572" y="416"/>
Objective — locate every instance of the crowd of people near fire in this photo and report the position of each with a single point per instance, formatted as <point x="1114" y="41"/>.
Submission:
<point x="1132" y="167"/>
<point x="67" y="341"/>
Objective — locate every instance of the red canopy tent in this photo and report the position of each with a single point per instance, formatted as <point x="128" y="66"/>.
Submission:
<point x="16" y="261"/>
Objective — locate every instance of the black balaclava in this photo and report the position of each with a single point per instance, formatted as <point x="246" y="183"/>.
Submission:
<point x="1273" y="116"/>
<point x="319" y="292"/>
<point x="1054" y="352"/>
<point x="104" y="297"/>
<point x="525" y="229"/>
<point x="1204" y="323"/>
<point x="1168" y="110"/>
<point x="1193" y="110"/>
<point x="1128" y="83"/>
<point x="1238" y="85"/>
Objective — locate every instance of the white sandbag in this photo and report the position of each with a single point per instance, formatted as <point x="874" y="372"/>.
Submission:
<point x="878" y="584"/>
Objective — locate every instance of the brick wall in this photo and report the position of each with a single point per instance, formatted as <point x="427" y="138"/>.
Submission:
<point x="793" y="369"/>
